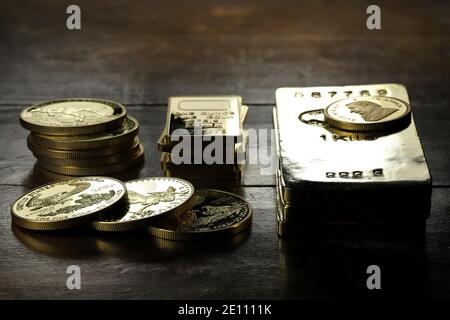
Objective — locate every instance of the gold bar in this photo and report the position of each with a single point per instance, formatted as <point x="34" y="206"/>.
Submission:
<point x="330" y="174"/>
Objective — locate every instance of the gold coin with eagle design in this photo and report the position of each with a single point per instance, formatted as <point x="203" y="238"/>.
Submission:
<point x="68" y="203"/>
<point x="73" y="116"/>
<point x="215" y="214"/>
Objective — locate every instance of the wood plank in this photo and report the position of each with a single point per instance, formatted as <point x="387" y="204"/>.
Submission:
<point x="146" y="52"/>
<point x="257" y="266"/>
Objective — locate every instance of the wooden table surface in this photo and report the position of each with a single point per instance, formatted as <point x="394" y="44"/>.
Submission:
<point x="140" y="55"/>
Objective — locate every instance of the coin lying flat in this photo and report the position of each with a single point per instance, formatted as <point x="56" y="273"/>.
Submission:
<point x="72" y="116"/>
<point x="127" y="132"/>
<point x="149" y="200"/>
<point x="215" y="214"/>
<point x="67" y="203"/>
<point x="96" y="170"/>
<point x="40" y="151"/>
<point x="178" y="247"/>
<point x="367" y="113"/>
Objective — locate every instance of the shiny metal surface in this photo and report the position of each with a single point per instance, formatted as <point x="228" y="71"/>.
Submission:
<point x="367" y="113"/>
<point x="67" y="203"/>
<point x="126" y="133"/>
<point x="72" y="116"/>
<point x="150" y="198"/>
<point x="311" y="155"/>
<point x="216" y="213"/>
<point x="211" y="115"/>
<point x="328" y="177"/>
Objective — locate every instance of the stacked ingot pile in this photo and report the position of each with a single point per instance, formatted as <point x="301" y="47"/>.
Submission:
<point x="81" y="137"/>
<point x="346" y="155"/>
<point x="204" y="121"/>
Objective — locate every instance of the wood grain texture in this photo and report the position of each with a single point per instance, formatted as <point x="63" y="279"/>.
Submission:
<point x="256" y="266"/>
<point x="143" y="53"/>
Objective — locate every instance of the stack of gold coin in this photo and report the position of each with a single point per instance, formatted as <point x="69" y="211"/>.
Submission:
<point x="167" y="208"/>
<point x="204" y="139"/>
<point x="82" y="137"/>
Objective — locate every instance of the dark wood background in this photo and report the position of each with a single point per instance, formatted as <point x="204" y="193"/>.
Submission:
<point x="142" y="53"/>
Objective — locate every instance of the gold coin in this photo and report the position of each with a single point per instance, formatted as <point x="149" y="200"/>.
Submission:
<point x="178" y="247"/>
<point x="124" y="134"/>
<point x="368" y="113"/>
<point x="92" y="162"/>
<point x="362" y="135"/>
<point x="98" y="170"/>
<point x="68" y="203"/>
<point x="151" y="199"/>
<point x="216" y="214"/>
<point x="73" y="116"/>
<point x="48" y="176"/>
<point x="41" y="151"/>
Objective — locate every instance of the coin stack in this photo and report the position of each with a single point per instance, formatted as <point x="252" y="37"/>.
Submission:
<point x="205" y="121"/>
<point x="168" y="208"/>
<point x="82" y="137"/>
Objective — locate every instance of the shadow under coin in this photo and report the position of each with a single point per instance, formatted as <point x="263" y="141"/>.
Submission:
<point x="61" y="244"/>
<point x="338" y="270"/>
<point x="138" y="245"/>
<point x="143" y="247"/>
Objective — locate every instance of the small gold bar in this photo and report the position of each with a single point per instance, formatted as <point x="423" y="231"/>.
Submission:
<point x="216" y="116"/>
<point x="204" y="125"/>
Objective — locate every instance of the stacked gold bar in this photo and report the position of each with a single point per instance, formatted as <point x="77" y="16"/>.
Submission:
<point x="204" y="139"/>
<point x="81" y="137"/>
<point x="350" y="164"/>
